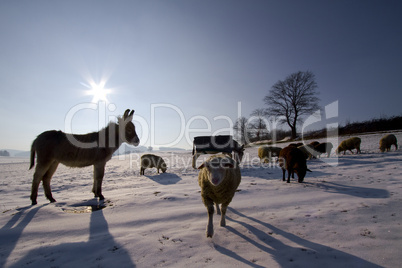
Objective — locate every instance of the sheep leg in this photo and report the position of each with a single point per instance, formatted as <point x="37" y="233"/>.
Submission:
<point x="223" y="209"/>
<point x="210" y="226"/>
<point x="99" y="172"/>
<point x="37" y="178"/>
<point x="218" y="211"/>
<point x="46" y="181"/>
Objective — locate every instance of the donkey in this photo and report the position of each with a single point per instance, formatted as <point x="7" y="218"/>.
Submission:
<point x="73" y="150"/>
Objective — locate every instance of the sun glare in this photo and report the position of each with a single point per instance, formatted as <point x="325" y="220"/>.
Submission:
<point x="98" y="92"/>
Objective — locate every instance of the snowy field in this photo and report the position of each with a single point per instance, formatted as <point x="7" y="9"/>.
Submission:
<point x="346" y="214"/>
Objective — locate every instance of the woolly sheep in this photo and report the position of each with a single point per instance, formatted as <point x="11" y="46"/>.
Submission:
<point x="218" y="178"/>
<point x="314" y="143"/>
<point x="387" y="141"/>
<point x="349" y="144"/>
<point x="308" y="151"/>
<point x="293" y="160"/>
<point x="295" y="144"/>
<point x="322" y="148"/>
<point x="265" y="153"/>
<point x="152" y="161"/>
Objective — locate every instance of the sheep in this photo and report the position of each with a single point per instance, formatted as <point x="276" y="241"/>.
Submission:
<point x="73" y="150"/>
<point x="314" y="143"/>
<point x="295" y="144"/>
<point x="349" y="144"/>
<point x="152" y="161"/>
<point x="308" y="151"/>
<point x="322" y="148"/>
<point x="293" y="160"/>
<point x="218" y="178"/>
<point x="387" y="141"/>
<point x="265" y="153"/>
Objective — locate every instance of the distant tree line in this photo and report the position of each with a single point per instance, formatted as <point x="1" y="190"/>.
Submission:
<point x="373" y="125"/>
<point x="4" y="153"/>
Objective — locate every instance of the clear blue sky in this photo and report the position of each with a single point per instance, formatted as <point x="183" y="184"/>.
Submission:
<point x="201" y="57"/>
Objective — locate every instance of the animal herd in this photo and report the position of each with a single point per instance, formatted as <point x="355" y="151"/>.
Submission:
<point x="219" y="176"/>
<point x="293" y="157"/>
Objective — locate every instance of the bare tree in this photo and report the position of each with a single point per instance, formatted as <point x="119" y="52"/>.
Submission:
<point x="259" y="126"/>
<point x="241" y="129"/>
<point x="293" y="98"/>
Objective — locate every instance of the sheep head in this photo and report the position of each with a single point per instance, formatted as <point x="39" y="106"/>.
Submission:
<point x="217" y="168"/>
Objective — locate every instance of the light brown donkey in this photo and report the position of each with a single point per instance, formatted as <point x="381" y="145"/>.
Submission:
<point x="73" y="150"/>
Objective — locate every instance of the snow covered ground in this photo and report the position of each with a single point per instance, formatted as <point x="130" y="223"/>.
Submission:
<point x="347" y="213"/>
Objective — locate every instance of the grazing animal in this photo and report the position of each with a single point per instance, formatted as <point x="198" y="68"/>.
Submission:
<point x="298" y="144"/>
<point x="293" y="160"/>
<point x="308" y="151"/>
<point x="217" y="144"/>
<point x="322" y="148"/>
<point x="218" y="178"/>
<point x="387" y="141"/>
<point x="349" y="144"/>
<point x="152" y="161"/>
<point x="314" y="143"/>
<point x="265" y="153"/>
<point x="76" y="150"/>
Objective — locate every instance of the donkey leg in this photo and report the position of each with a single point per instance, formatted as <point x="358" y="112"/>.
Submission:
<point x="40" y="171"/>
<point x="99" y="172"/>
<point x="46" y="181"/>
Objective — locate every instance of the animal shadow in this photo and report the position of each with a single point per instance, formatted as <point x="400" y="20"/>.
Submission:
<point x="100" y="238"/>
<point x="164" y="178"/>
<point x="13" y="229"/>
<point x="272" y="240"/>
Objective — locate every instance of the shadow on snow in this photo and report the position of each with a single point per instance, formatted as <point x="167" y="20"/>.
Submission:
<point x="12" y="230"/>
<point x="100" y="250"/>
<point x="305" y="252"/>
<point x="164" y="178"/>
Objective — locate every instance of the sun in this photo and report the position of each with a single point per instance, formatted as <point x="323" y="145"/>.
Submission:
<point x="98" y="91"/>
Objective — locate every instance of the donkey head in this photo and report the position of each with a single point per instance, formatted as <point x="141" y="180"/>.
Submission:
<point x="127" y="128"/>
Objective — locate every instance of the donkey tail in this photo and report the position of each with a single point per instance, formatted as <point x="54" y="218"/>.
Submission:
<point x="32" y="155"/>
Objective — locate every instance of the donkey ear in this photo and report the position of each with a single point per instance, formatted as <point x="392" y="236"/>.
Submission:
<point x="126" y="114"/>
<point x="130" y="116"/>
